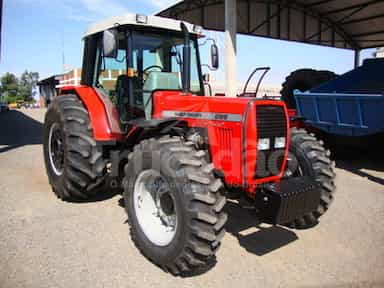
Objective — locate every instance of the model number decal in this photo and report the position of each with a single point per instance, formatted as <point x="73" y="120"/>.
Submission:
<point x="204" y="115"/>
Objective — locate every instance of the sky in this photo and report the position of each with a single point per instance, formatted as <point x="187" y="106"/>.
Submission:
<point x="39" y="35"/>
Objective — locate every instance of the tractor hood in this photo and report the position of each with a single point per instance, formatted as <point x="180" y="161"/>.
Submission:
<point x="235" y="127"/>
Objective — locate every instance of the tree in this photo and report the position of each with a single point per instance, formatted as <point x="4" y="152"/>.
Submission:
<point x="9" y="83"/>
<point x="9" y="87"/>
<point x="13" y="89"/>
<point x="28" y="80"/>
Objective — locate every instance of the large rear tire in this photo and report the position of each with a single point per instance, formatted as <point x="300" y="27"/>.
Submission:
<point x="303" y="80"/>
<point x="73" y="161"/>
<point x="308" y="157"/>
<point x="174" y="204"/>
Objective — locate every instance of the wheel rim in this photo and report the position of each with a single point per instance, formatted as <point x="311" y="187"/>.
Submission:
<point x="293" y="168"/>
<point x="56" y="149"/>
<point x="155" y="207"/>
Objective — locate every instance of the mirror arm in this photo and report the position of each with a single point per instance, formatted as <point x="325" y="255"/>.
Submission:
<point x="206" y="40"/>
<point x="209" y="67"/>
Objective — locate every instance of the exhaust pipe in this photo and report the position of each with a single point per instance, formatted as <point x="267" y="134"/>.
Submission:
<point x="186" y="60"/>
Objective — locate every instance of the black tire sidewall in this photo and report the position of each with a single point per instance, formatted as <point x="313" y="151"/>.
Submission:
<point x="302" y="160"/>
<point x="53" y="116"/>
<point x="314" y="162"/>
<point x="160" y="254"/>
<point x="303" y="80"/>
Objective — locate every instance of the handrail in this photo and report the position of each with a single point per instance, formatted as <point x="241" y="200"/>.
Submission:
<point x="266" y="69"/>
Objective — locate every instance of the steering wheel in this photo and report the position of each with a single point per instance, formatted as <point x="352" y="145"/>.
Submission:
<point x="146" y="70"/>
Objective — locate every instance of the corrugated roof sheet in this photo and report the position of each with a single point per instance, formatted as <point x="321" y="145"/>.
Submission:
<point x="349" y="24"/>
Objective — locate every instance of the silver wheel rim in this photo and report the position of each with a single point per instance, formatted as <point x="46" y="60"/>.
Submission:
<point x="155" y="207"/>
<point x="296" y="172"/>
<point x="52" y="152"/>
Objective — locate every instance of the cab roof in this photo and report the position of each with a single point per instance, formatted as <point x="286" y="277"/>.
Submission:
<point x="142" y="21"/>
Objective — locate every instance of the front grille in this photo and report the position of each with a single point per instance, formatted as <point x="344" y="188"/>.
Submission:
<point x="224" y="139"/>
<point x="271" y="123"/>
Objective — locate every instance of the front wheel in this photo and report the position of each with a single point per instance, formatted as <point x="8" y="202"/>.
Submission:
<point x="174" y="204"/>
<point x="308" y="157"/>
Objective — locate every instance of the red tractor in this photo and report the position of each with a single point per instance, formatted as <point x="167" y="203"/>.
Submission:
<point x="140" y="122"/>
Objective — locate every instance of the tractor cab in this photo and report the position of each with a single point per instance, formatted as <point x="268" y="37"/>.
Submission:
<point x="128" y="59"/>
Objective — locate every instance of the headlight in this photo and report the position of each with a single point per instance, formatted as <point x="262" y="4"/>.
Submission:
<point x="279" y="142"/>
<point x="263" y="144"/>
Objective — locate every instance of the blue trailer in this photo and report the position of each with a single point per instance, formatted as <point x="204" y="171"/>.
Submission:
<point x="349" y="105"/>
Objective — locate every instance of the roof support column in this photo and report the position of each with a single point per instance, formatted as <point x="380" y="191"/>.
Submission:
<point x="230" y="48"/>
<point x="357" y="58"/>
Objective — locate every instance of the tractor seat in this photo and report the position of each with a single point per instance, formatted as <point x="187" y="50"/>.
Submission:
<point x="158" y="81"/>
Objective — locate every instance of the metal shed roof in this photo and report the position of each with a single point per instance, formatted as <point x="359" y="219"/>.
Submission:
<point x="349" y="24"/>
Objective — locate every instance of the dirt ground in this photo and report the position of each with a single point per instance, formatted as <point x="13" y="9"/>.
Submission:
<point x="45" y="242"/>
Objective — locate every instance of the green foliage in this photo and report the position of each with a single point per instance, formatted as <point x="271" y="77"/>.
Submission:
<point x="9" y="83"/>
<point x="13" y="89"/>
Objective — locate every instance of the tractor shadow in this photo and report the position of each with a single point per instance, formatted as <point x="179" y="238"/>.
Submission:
<point x="264" y="240"/>
<point x="241" y="218"/>
<point x="106" y="193"/>
<point x="17" y="130"/>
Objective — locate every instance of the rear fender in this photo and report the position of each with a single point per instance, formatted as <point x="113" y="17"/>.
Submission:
<point x="103" y="114"/>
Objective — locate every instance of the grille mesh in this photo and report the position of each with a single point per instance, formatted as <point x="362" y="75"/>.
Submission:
<point x="270" y="122"/>
<point x="225" y="137"/>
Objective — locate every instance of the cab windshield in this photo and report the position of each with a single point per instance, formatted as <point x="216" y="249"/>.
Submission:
<point x="161" y="56"/>
<point x="154" y="62"/>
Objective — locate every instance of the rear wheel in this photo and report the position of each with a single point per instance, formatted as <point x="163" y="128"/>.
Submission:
<point x="308" y="157"/>
<point x="303" y="80"/>
<point x="73" y="161"/>
<point x="174" y="204"/>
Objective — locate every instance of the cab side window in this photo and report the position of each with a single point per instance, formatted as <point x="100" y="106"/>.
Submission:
<point x="109" y="70"/>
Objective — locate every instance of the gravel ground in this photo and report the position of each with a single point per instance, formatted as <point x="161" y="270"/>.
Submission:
<point x="45" y="242"/>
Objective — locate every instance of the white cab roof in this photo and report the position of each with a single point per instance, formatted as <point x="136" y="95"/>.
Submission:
<point x="130" y="19"/>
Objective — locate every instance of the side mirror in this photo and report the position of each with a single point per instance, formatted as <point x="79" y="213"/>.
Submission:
<point x="110" y="43"/>
<point x="214" y="56"/>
